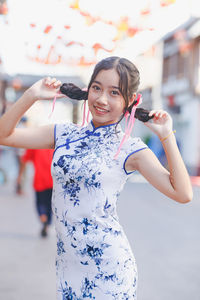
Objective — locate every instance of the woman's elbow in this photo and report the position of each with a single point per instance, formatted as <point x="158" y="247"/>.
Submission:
<point x="185" y="198"/>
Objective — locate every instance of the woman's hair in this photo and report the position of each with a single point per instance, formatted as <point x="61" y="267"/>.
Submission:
<point x="129" y="80"/>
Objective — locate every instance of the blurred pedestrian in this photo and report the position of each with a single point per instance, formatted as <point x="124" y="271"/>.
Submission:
<point x="42" y="183"/>
<point x="90" y="167"/>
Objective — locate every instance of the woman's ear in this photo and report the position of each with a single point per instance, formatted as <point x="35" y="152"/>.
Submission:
<point x="132" y="99"/>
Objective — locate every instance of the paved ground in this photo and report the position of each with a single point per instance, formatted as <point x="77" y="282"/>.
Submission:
<point x="164" y="235"/>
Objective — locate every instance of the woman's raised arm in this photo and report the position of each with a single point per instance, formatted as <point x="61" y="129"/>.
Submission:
<point x="38" y="137"/>
<point x="174" y="183"/>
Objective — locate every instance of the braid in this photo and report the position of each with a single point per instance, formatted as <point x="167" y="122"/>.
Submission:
<point x="73" y="92"/>
<point x="142" y="114"/>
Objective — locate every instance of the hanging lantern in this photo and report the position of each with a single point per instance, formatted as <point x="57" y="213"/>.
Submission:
<point x="67" y="26"/>
<point x="75" y="4"/>
<point x="145" y="12"/>
<point x="123" y="25"/>
<point x="48" y="29"/>
<point x="167" y="2"/>
<point x="132" y="31"/>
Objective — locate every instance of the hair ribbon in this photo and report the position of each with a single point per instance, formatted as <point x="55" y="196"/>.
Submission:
<point x="129" y="124"/>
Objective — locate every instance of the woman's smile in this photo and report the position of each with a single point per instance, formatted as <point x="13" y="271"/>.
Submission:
<point x="100" y="111"/>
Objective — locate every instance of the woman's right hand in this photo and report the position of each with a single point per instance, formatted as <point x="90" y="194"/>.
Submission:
<point x="45" y="89"/>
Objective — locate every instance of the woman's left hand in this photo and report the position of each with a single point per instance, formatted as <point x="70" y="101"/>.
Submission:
<point x="161" y="124"/>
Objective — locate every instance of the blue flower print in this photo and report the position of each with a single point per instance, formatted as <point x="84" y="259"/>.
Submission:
<point x="71" y="188"/>
<point x="60" y="247"/>
<point x="87" y="224"/>
<point x="95" y="253"/>
<point x="68" y="294"/>
<point x="87" y="288"/>
<point x="91" y="182"/>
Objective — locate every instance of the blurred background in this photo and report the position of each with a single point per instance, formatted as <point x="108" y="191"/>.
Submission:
<point x="65" y="39"/>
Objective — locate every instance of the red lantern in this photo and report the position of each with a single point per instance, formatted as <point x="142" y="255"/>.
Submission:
<point x="75" y="4"/>
<point x="67" y="27"/>
<point x="48" y="29"/>
<point x="132" y="31"/>
<point x="145" y="12"/>
<point x="167" y="2"/>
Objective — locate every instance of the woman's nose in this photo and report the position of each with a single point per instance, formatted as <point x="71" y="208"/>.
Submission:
<point x="102" y="99"/>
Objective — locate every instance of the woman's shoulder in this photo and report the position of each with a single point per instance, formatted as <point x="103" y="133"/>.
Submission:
<point x="134" y="144"/>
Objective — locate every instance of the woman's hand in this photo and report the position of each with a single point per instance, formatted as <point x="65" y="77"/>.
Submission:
<point x="161" y="124"/>
<point x="45" y="89"/>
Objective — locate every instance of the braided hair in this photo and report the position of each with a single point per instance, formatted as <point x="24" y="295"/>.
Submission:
<point x="129" y="80"/>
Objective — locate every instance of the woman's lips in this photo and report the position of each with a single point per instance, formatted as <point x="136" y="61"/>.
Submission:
<point x="100" y="110"/>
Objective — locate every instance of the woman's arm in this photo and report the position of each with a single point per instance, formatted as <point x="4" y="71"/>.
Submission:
<point x="39" y="137"/>
<point x="174" y="183"/>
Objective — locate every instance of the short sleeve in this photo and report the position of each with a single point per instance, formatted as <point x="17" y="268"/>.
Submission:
<point x="133" y="146"/>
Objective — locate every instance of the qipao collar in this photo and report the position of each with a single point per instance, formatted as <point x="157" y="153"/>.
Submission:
<point x="103" y="130"/>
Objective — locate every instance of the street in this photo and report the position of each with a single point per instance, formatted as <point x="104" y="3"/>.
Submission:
<point x="164" y="236"/>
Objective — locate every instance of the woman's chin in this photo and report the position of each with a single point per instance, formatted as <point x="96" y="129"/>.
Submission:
<point x="100" y="122"/>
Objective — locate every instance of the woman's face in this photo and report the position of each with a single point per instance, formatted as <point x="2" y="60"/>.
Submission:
<point x="105" y="101"/>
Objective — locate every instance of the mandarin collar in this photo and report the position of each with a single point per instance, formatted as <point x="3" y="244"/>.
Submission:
<point x="105" y="129"/>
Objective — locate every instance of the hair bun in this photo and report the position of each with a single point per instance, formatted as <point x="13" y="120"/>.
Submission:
<point x="73" y="92"/>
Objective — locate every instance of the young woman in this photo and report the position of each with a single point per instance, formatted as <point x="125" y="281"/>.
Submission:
<point x="90" y="167"/>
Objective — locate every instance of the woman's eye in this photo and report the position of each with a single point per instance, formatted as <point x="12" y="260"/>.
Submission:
<point x="115" y="93"/>
<point x="96" y="87"/>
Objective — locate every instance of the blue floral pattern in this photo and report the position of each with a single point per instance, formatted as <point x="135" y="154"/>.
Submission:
<point x="94" y="258"/>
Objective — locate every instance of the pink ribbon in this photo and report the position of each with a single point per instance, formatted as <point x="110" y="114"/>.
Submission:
<point x="129" y="125"/>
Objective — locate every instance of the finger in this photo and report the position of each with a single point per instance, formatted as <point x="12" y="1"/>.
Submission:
<point x="161" y="114"/>
<point x="50" y="81"/>
<point x="157" y="113"/>
<point x="57" y="83"/>
<point x="47" y="80"/>
<point x="151" y="113"/>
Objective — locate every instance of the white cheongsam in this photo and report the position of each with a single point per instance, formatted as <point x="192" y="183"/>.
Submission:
<point x="94" y="259"/>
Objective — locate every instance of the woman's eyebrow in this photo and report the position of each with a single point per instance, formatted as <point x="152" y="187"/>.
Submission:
<point x="115" y="87"/>
<point x="112" y="86"/>
<point x="97" y="82"/>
